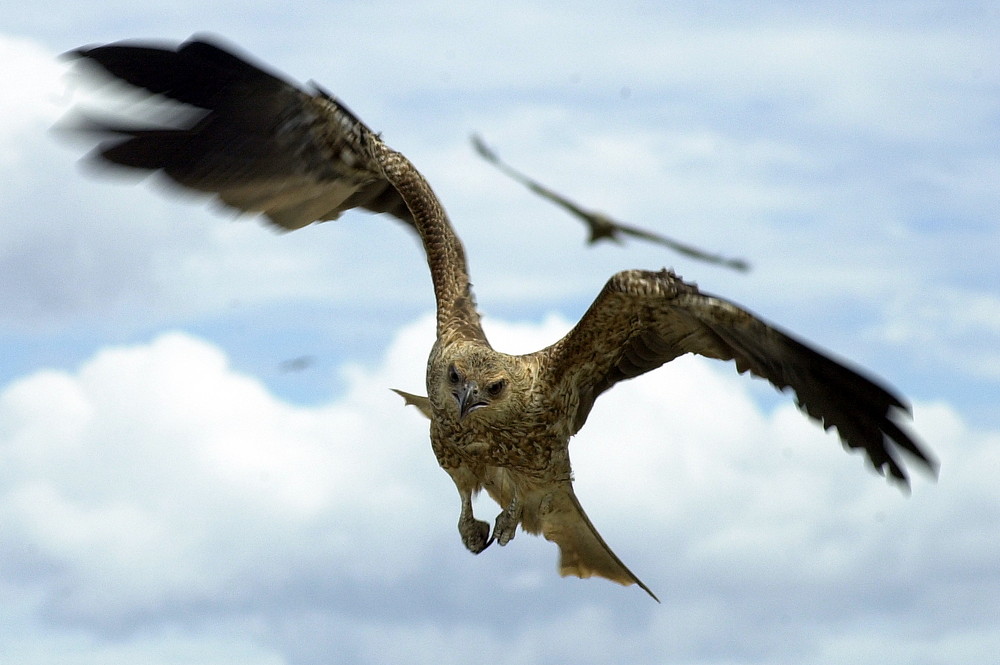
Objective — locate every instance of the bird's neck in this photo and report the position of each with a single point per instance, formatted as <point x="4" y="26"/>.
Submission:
<point x="456" y="307"/>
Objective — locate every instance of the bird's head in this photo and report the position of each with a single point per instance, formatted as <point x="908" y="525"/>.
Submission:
<point x="477" y="380"/>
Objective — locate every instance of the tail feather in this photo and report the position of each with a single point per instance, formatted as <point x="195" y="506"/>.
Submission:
<point x="583" y="552"/>
<point x="562" y="520"/>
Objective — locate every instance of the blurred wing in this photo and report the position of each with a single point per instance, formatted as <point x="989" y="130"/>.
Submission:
<point x="601" y="226"/>
<point x="643" y="319"/>
<point x="261" y="144"/>
<point x="491" y="156"/>
<point x="681" y="248"/>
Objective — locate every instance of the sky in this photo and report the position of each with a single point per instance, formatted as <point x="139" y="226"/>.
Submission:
<point x="200" y="457"/>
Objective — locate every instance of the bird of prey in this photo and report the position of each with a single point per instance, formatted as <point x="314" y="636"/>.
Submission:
<point x="600" y="225"/>
<point x="498" y="422"/>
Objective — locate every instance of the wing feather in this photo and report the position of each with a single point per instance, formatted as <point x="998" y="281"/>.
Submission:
<point x="644" y="319"/>
<point x="601" y="226"/>
<point x="261" y="144"/>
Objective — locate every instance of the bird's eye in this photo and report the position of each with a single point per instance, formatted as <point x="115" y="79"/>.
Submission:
<point x="495" y="388"/>
<point x="452" y="374"/>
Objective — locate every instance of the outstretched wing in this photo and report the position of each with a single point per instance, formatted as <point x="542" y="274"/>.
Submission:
<point x="601" y="226"/>
<point x="643" y="319"/>
<point x="264" y="145"/>
<point x="261" y="144"/>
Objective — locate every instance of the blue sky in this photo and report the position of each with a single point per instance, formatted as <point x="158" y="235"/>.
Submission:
<point x="170" y="493"/>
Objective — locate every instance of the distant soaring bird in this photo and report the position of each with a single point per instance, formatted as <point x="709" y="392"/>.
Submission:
<point x="601" y="226"/>
<point x="497" y="421"/>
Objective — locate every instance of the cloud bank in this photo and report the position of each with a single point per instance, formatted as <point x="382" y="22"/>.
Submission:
<point x="155" y="486"/>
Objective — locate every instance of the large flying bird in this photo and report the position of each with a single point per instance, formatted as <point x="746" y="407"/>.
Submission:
<point x="498" y="422"/>
<point x="601" y="226"/>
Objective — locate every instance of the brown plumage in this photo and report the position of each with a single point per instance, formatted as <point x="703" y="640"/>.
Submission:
<point x="601" y="226"/>
<point x="497" y="422"/>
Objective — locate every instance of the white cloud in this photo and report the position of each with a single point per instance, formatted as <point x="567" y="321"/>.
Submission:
<point x="156" y="473"/>
<point x="158" y="505"/>
<point x="30" y="94"/>
<point x="951" y="327"/>
<point x="155" y="485"/>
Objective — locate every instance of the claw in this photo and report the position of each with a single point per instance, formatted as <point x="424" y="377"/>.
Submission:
<point x="475" y="533"/>
<point x="506" y="523"/>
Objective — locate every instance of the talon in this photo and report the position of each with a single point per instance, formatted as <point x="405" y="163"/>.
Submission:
<point x="475" y="535"/>
<point x="506" y="523"/>
<point x="503" y="530"/>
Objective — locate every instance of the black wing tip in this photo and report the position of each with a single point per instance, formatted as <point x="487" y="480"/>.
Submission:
<point x="199" y="39"/>
<point x="911" y="446"/>
<point x="740" y="265"/>
<point x="896" y="443"/>
<point x="484" y="150"/>
<point x="78" y="52"/>
<point x="189" y="71"/>
<point x="100" y="52"/>
<point x="645" y="588"/>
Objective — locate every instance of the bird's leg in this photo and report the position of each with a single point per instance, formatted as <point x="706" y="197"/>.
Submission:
<point x="475" y="533"/>
<point x="507" y="521"/>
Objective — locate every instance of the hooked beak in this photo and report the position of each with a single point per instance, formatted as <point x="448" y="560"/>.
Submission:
<point x="468" y="398"/>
